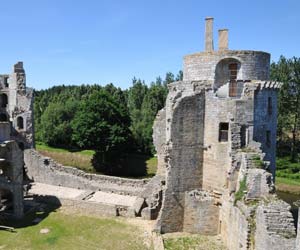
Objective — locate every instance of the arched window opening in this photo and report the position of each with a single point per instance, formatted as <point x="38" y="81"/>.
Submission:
<point x="20" y="122"/>
<point x="226" y="76"/>
<point x="3" y="100"/>
<point x="3" y="118"/>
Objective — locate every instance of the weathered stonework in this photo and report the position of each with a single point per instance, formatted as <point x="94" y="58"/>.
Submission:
<point x="216" y="142"/>
<point x="16" y="134"/>
<point x="11" y="179"/>
<point x="16" y="107"/>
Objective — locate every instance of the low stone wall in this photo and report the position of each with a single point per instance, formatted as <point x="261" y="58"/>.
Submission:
<point x="235" y="225"/>
<point x="274" y="227"/>
<point x="201" y="214"/>
<point x="45" y="170"/>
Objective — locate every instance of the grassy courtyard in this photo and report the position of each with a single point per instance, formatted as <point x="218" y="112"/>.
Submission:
<point x="82" y="159"/>
<point x="72" y="232"/>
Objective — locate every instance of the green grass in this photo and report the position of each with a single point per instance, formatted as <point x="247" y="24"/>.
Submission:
<point x="287" y="175"/>
<point x="82" y="159"/>
<point x="241" y="192"/>
<point x="72" y="232"/>
<point x="195" y="242"/>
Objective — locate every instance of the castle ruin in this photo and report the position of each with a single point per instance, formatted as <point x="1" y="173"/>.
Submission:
<point x="16" y="134"/>
<point x="216" y="144"/>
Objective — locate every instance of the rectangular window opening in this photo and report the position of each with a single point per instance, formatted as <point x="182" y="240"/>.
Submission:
<point x="223" y="131"/>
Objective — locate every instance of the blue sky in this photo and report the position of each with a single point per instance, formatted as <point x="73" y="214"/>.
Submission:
<point x="103" y="41"/>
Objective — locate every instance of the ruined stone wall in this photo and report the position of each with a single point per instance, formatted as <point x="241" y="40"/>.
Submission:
<point x="274" y="227"/>
<point x="185" y="156"/>
<point x="19" y="106"/>
<point x="11" y="174"/>
<point x="216" y="155"/>
<point x="266" y="121"/>
<point x="255" y="65"/>
<point x="45" y="170"/>
<point x="159" y="140"/>
<point x="201" y="213"/>
<point x="235" y="225"/>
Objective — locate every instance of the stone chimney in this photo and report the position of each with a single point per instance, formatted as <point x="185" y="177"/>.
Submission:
<point x="18" y="68"/>
<point x="209" y="38"/>
<point x="223" y="39"/>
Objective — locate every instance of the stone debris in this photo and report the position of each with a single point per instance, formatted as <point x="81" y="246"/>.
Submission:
<point x="45" y="231"/>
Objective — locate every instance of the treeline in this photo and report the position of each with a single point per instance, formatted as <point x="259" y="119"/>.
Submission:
<point x="107" y="119"/>
<point x="287" y="71"/>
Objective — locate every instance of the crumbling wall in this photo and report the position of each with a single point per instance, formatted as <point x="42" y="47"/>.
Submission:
<point x="185" y="156"/>
<point x="159" y="140"/>
<point x="235" y="225"/>
<point x="201" y="213"/>
<point x="11" y="174"/>
<point x="45" y="170"/>
<point x="274" y="227"/>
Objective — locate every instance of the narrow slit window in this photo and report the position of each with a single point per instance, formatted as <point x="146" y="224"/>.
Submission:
<point x="243" y="136"/>
<point x="268" y="138"/>
<point x="270" y="105"/>
<point x="223" y="132"/>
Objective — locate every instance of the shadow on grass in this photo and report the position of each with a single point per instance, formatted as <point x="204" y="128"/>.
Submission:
<point x="35" y="211"/>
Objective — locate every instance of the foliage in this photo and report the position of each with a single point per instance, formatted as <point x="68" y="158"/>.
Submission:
<point x="241" y="192"/>
<point x="102" y="124"/>
<point x="258" y="162"/>
<point x="287" y="71"/>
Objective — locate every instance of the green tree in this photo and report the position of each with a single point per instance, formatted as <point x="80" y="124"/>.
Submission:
<point x="287" y="71"/>
<point x="55" y="127"/>
<point x="102" y="124"/>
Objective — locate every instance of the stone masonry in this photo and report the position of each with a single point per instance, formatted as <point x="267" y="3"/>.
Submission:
<point x="216" y="142"/>
<point x="16" y="134"/>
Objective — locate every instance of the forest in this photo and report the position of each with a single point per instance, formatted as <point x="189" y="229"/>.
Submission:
<point x="113" y="122"/>
<point x="116" y="123"/>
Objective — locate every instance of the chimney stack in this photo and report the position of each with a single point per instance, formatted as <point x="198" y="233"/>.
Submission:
<point x="209" y="42"/>
<point x="223" y="39"/>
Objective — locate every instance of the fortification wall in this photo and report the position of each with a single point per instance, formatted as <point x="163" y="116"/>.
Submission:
<point x="45" y="170"/>
<point x="185" y="156"/>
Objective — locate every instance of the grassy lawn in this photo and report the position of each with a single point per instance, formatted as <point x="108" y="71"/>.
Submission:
<point x="72" y="232"/>
<point x="82" y="159"/>
<point x="193" y="242"/>
<point x="287" y="175"/>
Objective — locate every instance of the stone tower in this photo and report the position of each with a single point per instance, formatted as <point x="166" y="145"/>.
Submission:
<point x="216" y="132"/>
<point x="16" y="105"/>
